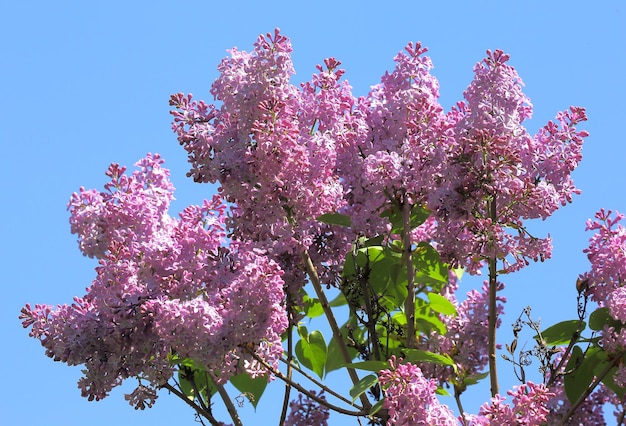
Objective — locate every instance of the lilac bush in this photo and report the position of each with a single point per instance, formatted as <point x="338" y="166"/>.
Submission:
<point x="380" y="200"/>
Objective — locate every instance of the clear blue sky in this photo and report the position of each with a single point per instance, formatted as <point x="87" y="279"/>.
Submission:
<point x="84" y="83"/>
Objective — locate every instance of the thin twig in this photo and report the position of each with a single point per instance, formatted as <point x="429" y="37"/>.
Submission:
<point x="229" y="404"/>
<point x="459" y="404"/>
<point x="493" y="288"/>
<point x="591" y="388"/>
<point x="306" y="392"/>
<point x="193" y="405"/>
<point x="332" y="322"/>
<point x="319" y="384"/>
<point x="409" y="303"/>
<point x="283" y="411"/>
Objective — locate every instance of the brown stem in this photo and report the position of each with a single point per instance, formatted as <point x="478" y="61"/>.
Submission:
<point x="318" y="384"/>
<point x="493" y="314"/>
<point x="204" y="413"/>
<point x="315" y="281"/>
<point x="409" y="303"/>
<point x="555" y="372"/>
<point x="229" y="404"/>
<point x="283" y="412"/>
<point x="457" y="397"/>
<point x="371" y="325"/>
<point x="591" y="388"/>
<point x="306" y="392"/>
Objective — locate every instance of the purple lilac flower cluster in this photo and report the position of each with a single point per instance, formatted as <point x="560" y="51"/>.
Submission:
<point x="307" y="412"/>
<point x="605" y="279"/>
<point x="528" y="409"/>
<point x="164" y="287"/>
<point x="272" y="147"/>
<point x="284" y="155"/>
<point x="493" y="159"/>
<point x="410" y="398"/>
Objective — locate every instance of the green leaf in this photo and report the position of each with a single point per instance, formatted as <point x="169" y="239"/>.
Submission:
<point x="475" y="378"/>
<point x="186" y="385"/>
<point x="363" y="385"/>
<point x="601" y="317"/>
<point x="386" y="276"/>
<point x="205" y="383"/>
<point x="376" y="407"/>
<point x="581" y="376"/>
<point x="252" y="388"/>
<point x="184" y="362"/>
<point x="458" y="272"/>
<point x="417" y="355"/>
<point x="193" y="381"/>
<point x="609" y="379"/>
<point x="369" y="365"/>
<point x="440" y="304"/>
<point x="312" y="307"/>
<point x="419" y="215"/>
<point x="335" y="219"/>
<point x="425" y="320"/>
<point x="389" y="338"/>
<point x="399" y="318"/>
<point x="340" y="300"/>
<point x="429" y="323"/>
<point x="374" y="241"/>
<point x="311" y="350"/>
<point x="429" y="268"/>
<point x="334" y="359"/>
<point x="441" y="391"/>
<point x="560" y="334"/>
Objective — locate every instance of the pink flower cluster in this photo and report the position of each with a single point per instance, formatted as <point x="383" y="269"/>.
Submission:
<point x="164" y="287"/>
<point x="410" y="397"/>
<point x="271" y="146"/>
<point x="467" y="336"/>
<point x="492" y="160"/>
<point x="529" y="408"/>
<point x="605" y="280"/>
<point x="284" y="155"/>
<point x="399" y="151"/>
<point x="307" y="412"/>
<point x="607" y="255"/>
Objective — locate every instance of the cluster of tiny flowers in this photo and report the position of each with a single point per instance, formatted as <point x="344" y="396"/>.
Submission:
<point x="164" y="286"/>
<point x="410" y="397"/>
<point x="285" y="155"/>
<point x="607" y="255"/>
<point x="141" y="397"/>
<point x="492" y="160"/>
<point x="466" y="337"/>
<point x="529" y="408"/>
<point x="271" y="146"/>
<point x="605" y="280"/>
<point x="467" y="332"/>
<point x="307" y="412"/>
<point x="400" y="152"/>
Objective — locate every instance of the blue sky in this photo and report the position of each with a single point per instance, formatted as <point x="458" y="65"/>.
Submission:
<point x="84" y="84"/>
